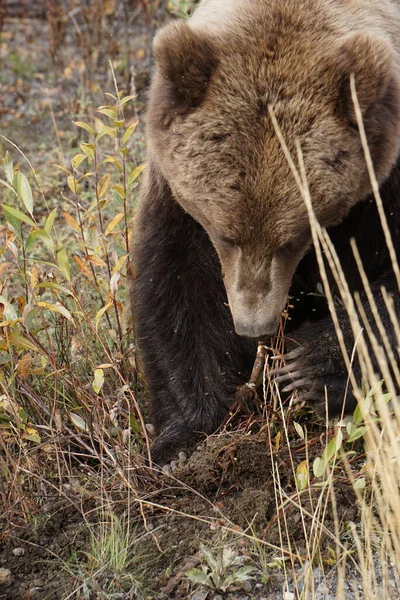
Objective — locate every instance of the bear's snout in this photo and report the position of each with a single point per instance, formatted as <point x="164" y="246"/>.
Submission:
<point x="256" y="315"/>
<point x="257" y="331"/>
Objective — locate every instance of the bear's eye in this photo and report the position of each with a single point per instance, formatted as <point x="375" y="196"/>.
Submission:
<point x="227" y="241"/>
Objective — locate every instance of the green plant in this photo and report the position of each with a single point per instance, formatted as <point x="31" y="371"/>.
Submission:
<point x="181" y="8"/>
<point x="224" y="572"/>
<point x="115" y="564"/>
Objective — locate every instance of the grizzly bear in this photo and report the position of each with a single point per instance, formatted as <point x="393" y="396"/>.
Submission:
<point x="223" y="234"/>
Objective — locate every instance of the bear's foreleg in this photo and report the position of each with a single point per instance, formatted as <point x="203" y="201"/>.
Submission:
<point x="314" y="362"/>
<point x="192" y="358"/>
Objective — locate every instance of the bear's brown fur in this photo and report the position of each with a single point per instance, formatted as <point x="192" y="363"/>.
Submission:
<point x="221" y="217"/>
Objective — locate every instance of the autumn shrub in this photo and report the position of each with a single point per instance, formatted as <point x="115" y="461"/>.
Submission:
<point x="67" y="357"/>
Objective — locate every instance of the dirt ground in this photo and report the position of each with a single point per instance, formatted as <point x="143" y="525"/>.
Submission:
<point x="223" y="490"/>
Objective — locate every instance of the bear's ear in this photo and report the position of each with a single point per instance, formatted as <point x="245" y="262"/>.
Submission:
<point x="186" y="60"/>
<point x="371" y="60"/>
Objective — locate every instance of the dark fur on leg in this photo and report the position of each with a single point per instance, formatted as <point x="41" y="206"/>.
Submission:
<point x="192" y="357"/>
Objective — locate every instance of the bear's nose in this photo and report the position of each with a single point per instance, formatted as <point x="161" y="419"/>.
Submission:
<point x="252" y="329"/>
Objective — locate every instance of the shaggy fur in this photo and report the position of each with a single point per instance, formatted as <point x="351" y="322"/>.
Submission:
<point x="222" y="231"/>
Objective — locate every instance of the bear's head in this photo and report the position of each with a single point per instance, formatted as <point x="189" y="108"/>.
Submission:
<point x="214" y="142"/>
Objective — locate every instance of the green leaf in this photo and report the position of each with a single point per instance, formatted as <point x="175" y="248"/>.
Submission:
<point x="357" y="415"/>
<point x="135" y="174"/>
<point x="357" y="434"/>
<point x="299" y="430"/>
<point x="126" y="99"/>
<point x="209" y="557"/>
<point x="50" y="285"/>
<point x="7" y="185"/>
<point x="77" y="160"/>
<point x="84" y="126"/>
<point x="79" y="422"/>
<point x="108" y="111"/>
<point x="360" y="484"/>
<point x="50" y="221"/>
<point x="63" y="263"/>
<point x="129" y="132"/>
<point x="199" y="576"/>
<point x="330" y="450"/>
<point x="43" y="236"/>
<point x="319" y="466"/>
<point x="110" y="131"/>
<point x="88" y="149"/>
<point x="8" y="168"/>
<point x="57" y="308"/>
<point x="24" y="191"/>
<point x="17" y="214"/>
<point x="101" y="312"/>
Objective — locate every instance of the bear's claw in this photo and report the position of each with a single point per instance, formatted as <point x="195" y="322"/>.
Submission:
<point x="294" y="375"/>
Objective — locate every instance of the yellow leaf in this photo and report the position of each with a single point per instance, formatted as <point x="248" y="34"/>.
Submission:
<point x="120" y="263"/>
<point x="135" y="174"/>
<point x="129" y="132"/>
<point x="77" y="160"/>
<point x="277" y="440"/>
<point x="101" y="312"/>
<point x="109" y="7"/>
<point x="95" y="260"/>
<point x="72" y="184"/>
<point x="82" y="266"/>
<point x="4" y="267"/>
<point x="24" y="366"/>
<point x="88" y="149"/>
<point x="18" y="341"/>
<point x="103" y="185"/>
<point x="98" y="380"/>
<point x="114" y="222"/>
<point x="120" y="190"/>
<point x="31" y="435"/>
<point x="57" y="308"/>
<point x="63" y="169"/>
<point x="34" y="277"/>
<point x="302" y="477"/>
<point x="84" y="126"/>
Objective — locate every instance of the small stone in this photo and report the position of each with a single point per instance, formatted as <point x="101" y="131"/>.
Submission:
<point x="18" y="551"/>
<point x="166" y="469"/>
<point x="289" y="596"/>
<point x="247" y="586"/>
<point x="174" y="464"/>
<point x="201" y="594"/>
<point x="37" y="583"/>
<point x="5" y="576"/>
<point x="322" y="589"/>
<point x="182" y="456"/>
<point x="150" y="428"/>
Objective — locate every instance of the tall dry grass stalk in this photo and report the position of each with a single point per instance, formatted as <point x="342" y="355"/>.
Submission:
<point x="377" y="538"/>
